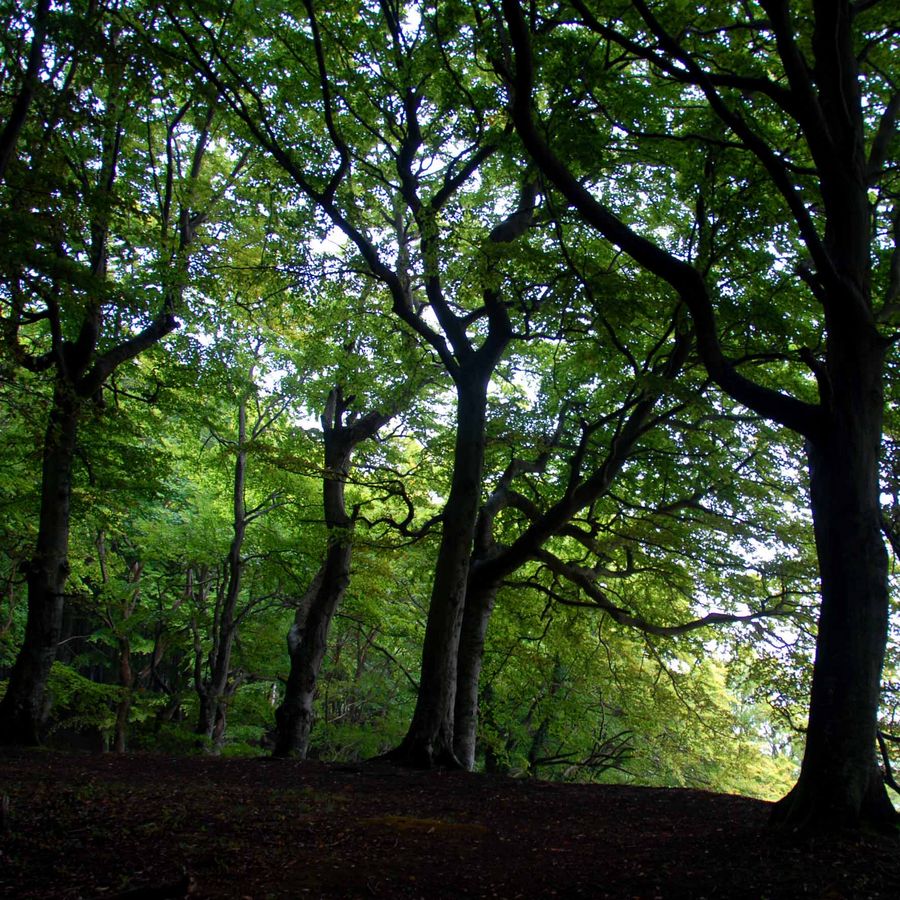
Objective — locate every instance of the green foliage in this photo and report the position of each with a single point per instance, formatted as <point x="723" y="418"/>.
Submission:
<point x="564" y="697"/>
<point x="79" y="704"/>
<point x="277" y="308"/>
<point x="366" y="690"/>
<point x="169" y="738"/>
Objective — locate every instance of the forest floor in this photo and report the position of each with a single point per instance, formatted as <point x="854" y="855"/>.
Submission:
<point x="152" y="827"/>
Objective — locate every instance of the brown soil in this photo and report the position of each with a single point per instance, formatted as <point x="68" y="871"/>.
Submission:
<point x="144" y="827"/>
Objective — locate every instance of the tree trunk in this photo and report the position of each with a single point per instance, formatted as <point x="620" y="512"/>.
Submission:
<point x="494" y="763"/>
<point x="480" y="599"/>
<point x="208" y="714"/>
<point x="22" y="707"/>
<point x="308" y="637"/>
<point x="840" y="785"/>
<point x="212" y="690"/>
<point x="429" y="740"/>
<point x="307" y="643"/>
<point x="123" y="708"/>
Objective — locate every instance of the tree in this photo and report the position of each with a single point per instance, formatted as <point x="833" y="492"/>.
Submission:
<point x="625" y="522"/>
<point x="342" y="432"/>
<point x="410" y="133"/>
<point x="256" y="415"/>
<point x="791" y="110"/>
<point x="87" y="286"/>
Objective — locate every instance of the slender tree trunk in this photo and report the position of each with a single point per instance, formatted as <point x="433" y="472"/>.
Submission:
<point x="211" y="716"/>
<point x="494" y="763"/>
<point x="22" y="707"/>
<point x="117" y="622"/>
<point x="840" y="785"/>
<point x="207" y="706"/>
<point x="123" y="708"/>
<point x="212" y="690"/>
<point x="429" y="740"/>
<point x="308" y="637"/>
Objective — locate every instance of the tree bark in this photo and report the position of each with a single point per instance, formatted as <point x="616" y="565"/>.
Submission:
<point x="307" y="643"/>
<point x="429" y="740"/>
<point x="308" y="637"/>
<point x="212" y="691"/>
<point x="480" y="601"/>
<point x="840" y="784"/>
<point x="123" y="707"/>
<point x="22" y="708"/>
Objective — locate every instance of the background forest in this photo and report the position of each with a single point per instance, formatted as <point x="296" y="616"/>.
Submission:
<point x="327" y="410"/>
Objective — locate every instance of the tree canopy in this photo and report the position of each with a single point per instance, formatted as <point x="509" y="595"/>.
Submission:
<point x="507" y="386"/>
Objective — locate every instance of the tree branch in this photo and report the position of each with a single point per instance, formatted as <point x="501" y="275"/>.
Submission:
<point x="802" y="417"/>
<point x="19" y="111"/>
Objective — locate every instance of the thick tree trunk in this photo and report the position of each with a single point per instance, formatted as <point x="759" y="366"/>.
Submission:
<point x="840" y="785"/>
<point x="22" y="707"/>
<point x="480" y="599"/>
<point x="429" y="740"/>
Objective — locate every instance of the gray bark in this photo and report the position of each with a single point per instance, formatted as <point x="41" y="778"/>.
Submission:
<point x="308" y="636"/>
<point x="479" y="606"/>
<point x="429" y="740"/>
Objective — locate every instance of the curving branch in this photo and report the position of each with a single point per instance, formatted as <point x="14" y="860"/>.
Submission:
<point x="585" y="581"/>
<point x="19" y="112"/>
<point x="805" y="418"/>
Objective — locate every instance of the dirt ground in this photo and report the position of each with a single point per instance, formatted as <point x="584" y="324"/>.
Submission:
<point x="151" y="827"/>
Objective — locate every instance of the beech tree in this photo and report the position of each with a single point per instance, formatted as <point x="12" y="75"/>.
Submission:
<point x="806" y="101"/>
<point x="631" y="466"/>
<point x="343" y="355"/>
<point x="78" y="300"/>
<point x="342" y="432"/>
<point x="408" y="128"/>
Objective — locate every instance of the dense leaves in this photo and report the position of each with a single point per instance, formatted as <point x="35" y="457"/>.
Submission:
<point x="558" y="273"/>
